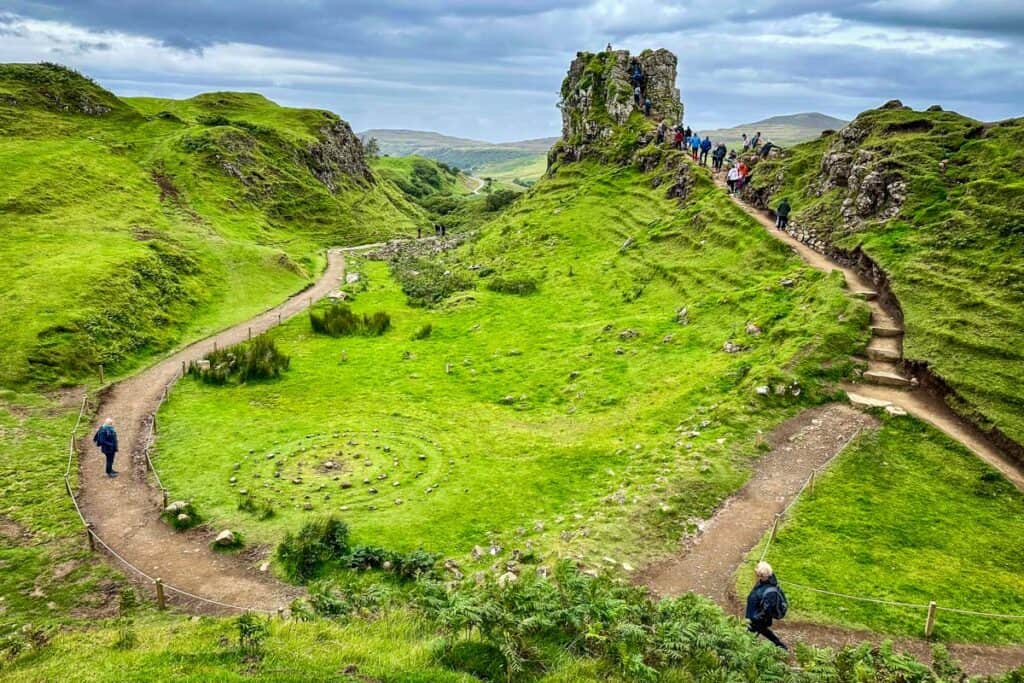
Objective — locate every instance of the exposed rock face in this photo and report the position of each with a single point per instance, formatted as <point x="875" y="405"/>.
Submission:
<point x="597" y="97"/>
<point x="337" y="155"/>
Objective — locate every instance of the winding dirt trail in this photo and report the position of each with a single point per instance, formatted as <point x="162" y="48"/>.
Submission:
<point x="124" y="511"/>
<point x="708" y="561"/>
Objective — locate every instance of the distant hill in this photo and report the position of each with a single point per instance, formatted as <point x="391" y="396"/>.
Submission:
<point x="787" y="130"/>
<point x="463" y="153"/>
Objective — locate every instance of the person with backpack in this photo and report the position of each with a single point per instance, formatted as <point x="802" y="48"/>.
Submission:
<point x="647" y="107"/>
<point x="746" y="142"/>
<point x="755" y="141"/>
<point x="705" y="149"/>
<point x="782" y="214"/>
<point x="106" y="440"/>
<point x="678" y="138"/>
<point x="636" y="96"/>
<point x="766" y="603"/>
<point x="731" y="178"/>
<point x="694" y="146"/>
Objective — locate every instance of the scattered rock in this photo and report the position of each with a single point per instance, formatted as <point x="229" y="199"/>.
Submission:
<point x="225" y="539"/>
<point x="730" y="347"/>
<point x="683" y="316"/>
<point x="628" y="334"/>
<point x="176" y="507"/>
<point x="753" y="329"/>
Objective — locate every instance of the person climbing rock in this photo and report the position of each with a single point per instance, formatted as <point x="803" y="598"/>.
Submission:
<point x="782" y="214"/>
<point x="662" y="130"/>
<point x="766" y="603"/>
<point x="647" y="106"/>
<point x="718" y="157"/>
<point x="766" y="148"/>
<point x="636" y="73"/>
<point x="679" y="139"/>
<point x="755" y="141"/>
<point x="106" y="440"/>
<point x="705" y="149"/>
<point x="694" y="146"/>
<point x="636" y="96"/>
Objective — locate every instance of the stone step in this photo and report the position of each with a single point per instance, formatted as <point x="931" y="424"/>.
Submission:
<point x="887" y="378"/>
<point x="880" y="353"/>
<point x="886" y="331"/>
<point x="866" y="401"/>
<point x="866" y="294"/>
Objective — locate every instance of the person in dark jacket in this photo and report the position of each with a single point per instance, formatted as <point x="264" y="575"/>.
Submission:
<point x="662" y="130"/>
<point x="705" y="149"/>
<point x="763" y="602"/>
<point x="647" y="106"/>
<point x="106" y="440"/>
<point x="718" y="156"/>
<point x="766" y="149"/>
<point x="782" y="214"/>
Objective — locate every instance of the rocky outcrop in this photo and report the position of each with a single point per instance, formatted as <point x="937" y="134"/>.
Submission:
<point x="597" y="99"/>
<point x="337" y="155"/>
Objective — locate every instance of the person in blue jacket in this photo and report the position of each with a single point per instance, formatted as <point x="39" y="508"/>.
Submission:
<point x="106" y="440"/>
<point x="705" y="148"/>
<point x="694" y="145"/>
<point x="765" y="603"/>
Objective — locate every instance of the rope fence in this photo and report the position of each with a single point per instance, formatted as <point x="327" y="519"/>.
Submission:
<point x="931" y="608"/>
<point x="94" y="539"/>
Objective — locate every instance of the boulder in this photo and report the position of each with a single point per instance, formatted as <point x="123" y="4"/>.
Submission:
<point x="176" y="507"/>
<point x="225" y="539"/>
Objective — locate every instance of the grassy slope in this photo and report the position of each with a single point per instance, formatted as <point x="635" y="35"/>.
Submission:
<point x="955" y="254"/>
<point x="525" y="170"/>
<point x="566" y="442"/>
<point x="157" y="241"/>
<point x="97" y="267"/>
<point x="907" y="515"/>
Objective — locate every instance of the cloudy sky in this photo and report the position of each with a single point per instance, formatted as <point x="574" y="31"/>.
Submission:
<point x="492" y="70"/>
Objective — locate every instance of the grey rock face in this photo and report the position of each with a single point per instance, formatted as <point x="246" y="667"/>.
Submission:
<point x="337" y="155"/>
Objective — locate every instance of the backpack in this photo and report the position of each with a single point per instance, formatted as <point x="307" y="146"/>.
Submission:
<point x="781" y="605"/>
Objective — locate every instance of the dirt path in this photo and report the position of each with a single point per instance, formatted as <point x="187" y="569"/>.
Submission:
<point x="708" y="562"/>
<point x="480" y="186"/>
<point x="125" y="511"/>
<point x="882" y="386"/>
<point x="799" y="446"/>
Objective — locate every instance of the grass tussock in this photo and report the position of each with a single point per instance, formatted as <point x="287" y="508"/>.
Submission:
<point x="254" y="360"/>
<point x="338" y="320"/>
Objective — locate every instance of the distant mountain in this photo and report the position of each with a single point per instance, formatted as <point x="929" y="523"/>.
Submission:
<point x="785" y="130"/>
<point x="464" y="153"/>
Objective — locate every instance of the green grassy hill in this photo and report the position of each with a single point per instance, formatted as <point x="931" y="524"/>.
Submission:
<point x="785" y="131"/>
<point x="937" y="200"/>
<point x="170" y="218"/>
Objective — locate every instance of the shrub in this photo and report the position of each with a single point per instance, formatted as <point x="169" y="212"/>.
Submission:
<point x="252" y="633"/>
<point x="251" y="360"/>
<point x="127" y="639"/>
<point x="305" y="554"/>
<point x="499" y="199"/>
<point x="338" y="320"/>
<point x="512" y="285"/>
<point x="427" y="282"/>
<point x="424" y="332"/>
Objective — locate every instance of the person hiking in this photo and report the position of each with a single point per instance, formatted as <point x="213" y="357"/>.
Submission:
<point x="694" y="146"/>
<point x="705" y="149"/>
<point x="718" y="156"/>
<point x="766" y="603"/>
<point x="678" y="139"/>
<point x="688" y="133"/>
<point x="662" y="129"/>
<point x="766" y="149"/>
<point x="744" y="174"/>
<point x="782" y="214"/>
<point x="731" y="178"/>
<point x="746" y="142"/>
<point x="636" y="95"/>
<point x="106" y="440"/>
<point x="647" y="106"/>
<point x="755" y="141"/>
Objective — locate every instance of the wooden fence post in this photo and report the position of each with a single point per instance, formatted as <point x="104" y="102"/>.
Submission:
<point x="184" y="370"/>
<point x="311" y="302"/>
<point x="161" y="600"/>
<point x="215" y="345"/>
<point x="775" y="526"/>
<point x="280" y="613"/>
<point x="101" y="373"/>
<point x="250" y="334"/>
<point x="811" y="485"/>
<point x="164" y="492"/>
<point x="929" y="622"/>
<point x="89" y="535"/>
<point x="278" y="318"/>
